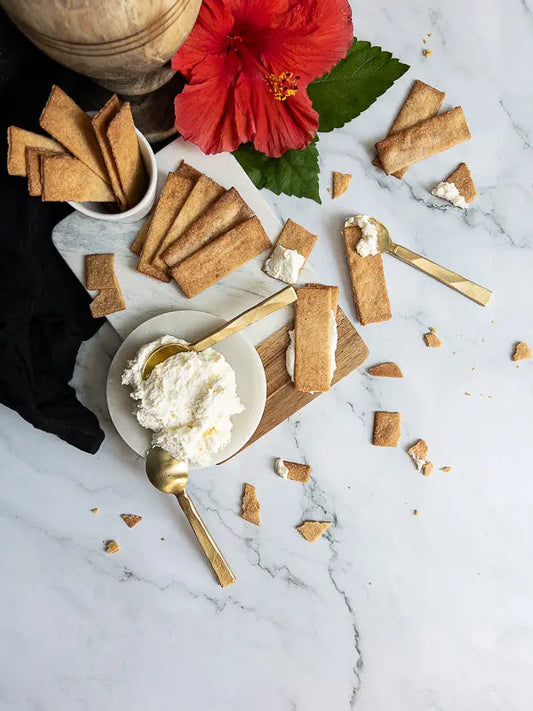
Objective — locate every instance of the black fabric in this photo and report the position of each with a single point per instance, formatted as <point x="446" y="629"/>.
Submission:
<point x="44" y="310"/>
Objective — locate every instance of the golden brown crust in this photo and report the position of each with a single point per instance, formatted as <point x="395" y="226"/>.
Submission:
<point x="65" y="178"/>
<point x="250" y="505"/>
<point x="100" y="124"/>
<point x="419" y="142"/>
<point x="313" y="530"/>
<point x="138" y="243"/>
<point x="223" y="215"/>
<point x="18" y="140"/>
<point x="33" y="168"/>
<point x="422" y="102"/>
<point x="386" y="370"/>
<point x="204" y="192"/>
<point x="127" y="154"/>
<point x="522" y="351"/>
<point x="131" y="520"/>
<point x="99" y="271"/>
<point x="220" y="257"/>
<point x="298" y="472"/>
<point x="432" y="340"/>
<point x="153" y="272"/>
<point x="445" y="469"/>
<point x="368" y="281"/>
<point x="418" y="453"/>
<point x="63" y="119"/>
<point x="427" y="468"/>
<point x="188" y="171"/>
<point x="341" y="183"/>
<point x="112" y="547"/>
<point x="294" y="236"/>
<point x="108" y="301"/>
<point x="462" y="179"/>
<point x="312" y="337"/>
<point x="386" y="429"/>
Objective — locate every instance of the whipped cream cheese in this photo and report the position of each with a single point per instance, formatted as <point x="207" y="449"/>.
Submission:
<point x="284" y="264"/>
<point x="289" y="353"/>
<point x="450" y="192"/>
<point x="280" y="469"/>
<point x="368" y="243"/>
<point x="187" y="401"/>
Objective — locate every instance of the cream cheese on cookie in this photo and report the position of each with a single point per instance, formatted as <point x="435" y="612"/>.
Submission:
<point x="289" y="353"/>
<point x="284" y="264"/>
<point x="280" y="469"/>
<point x="187" y="401"/>
<point x="450" y="192"/>
<point x="368" y="243"/>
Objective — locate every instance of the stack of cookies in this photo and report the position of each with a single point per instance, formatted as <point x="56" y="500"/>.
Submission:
<point x="86" y="160"/>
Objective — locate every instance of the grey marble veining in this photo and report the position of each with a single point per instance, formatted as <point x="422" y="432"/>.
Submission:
<point x="389" y="611"/>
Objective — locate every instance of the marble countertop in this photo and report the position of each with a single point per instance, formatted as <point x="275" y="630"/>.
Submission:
<point x="389" y="610"/>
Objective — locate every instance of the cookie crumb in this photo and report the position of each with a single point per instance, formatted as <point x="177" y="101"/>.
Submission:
<point x="427" y="468"/>
<point x="416" y="512"/>
<point x="427" y="52"/>
<point x="94" y="511"/>
<point x="432" y="341"/>
<point x="163" y="538"/>
<point x="430" y="34"/>
<point x="386" y="370"/>
<point x="341" y="182"/>
<point x="112" y="547"/>
<point x="130" y="520"/>
<point x="522" y="351"/>
<point x="432" y="329"/>
<point x="250" y="505"/>
<point x="468" y="394"/>
<point x="445" y="469"/>
<point x="312" y="530"/>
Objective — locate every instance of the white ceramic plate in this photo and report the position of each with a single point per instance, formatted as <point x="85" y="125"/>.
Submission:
<point x="190" y="325"/>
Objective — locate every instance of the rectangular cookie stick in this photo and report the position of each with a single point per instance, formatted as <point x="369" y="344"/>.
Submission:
<point x="368" y="281"/>
<point x="18" y="139"/>
<point x="100" y="124"/>
<point x="312" y="337"/>
<point x="220" y="257"/>
<point x="419" y="142"/>
<point x="33" y="168"/>
<point x="66" y="178"/>
<point x="224" y="214"/>
<point x="422" y="102"/>
<point x="126" y="154"/>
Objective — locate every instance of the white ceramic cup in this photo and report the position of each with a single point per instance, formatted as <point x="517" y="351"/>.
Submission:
<point x="98" y="210"/>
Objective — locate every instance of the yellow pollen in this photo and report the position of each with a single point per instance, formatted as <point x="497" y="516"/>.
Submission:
<point x="282" y="85"/>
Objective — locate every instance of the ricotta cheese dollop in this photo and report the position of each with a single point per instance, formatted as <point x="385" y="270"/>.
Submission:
<point x="284" y="264"/>
<point x="450" y="192"/>
<point x="187" y="401"/>
<point x="368" y="243"/>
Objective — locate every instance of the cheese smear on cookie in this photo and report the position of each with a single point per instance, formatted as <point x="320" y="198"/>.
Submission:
<point x="284" y="264"/>
<point x="450" y="192"/>
<point x="368" y="243"/>
<point x="290" y="354"/>
<point x="187" y="401"/>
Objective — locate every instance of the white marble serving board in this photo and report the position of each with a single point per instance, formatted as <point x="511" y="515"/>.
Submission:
<point x="78" y="235"/>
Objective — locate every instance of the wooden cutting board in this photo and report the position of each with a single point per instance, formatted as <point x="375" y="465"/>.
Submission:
<point x="282" y="399"/>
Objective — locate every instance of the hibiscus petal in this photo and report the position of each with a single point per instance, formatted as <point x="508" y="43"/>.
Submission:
<point x="208" y="112"/>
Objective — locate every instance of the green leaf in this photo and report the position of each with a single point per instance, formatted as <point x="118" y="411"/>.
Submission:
<point x="294" y="173"/>
<point x="353" y="84"/>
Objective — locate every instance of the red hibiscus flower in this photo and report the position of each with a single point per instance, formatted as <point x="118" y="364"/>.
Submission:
<point x="248" y="64"/>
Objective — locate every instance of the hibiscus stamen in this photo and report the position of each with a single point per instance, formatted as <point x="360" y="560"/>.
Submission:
<point x="282" y="85"/>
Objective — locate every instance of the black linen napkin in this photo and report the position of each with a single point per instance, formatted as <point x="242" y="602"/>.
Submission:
<point x="44" y="310"/>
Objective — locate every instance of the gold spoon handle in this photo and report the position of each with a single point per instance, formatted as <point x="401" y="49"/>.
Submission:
<point x="273" y="303"/>
<point x="474" y="291"/>
<point x="212" y="551"/>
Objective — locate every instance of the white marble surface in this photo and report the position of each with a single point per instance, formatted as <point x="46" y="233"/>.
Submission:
<point x="446" y="623"/>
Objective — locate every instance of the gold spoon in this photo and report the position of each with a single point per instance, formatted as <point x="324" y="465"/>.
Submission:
<point x="273" y="303"/>
<point x="474" y="291"/>
<point x="171" y="476"/>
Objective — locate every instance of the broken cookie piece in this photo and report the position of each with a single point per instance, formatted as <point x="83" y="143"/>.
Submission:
<point x="100" y="276"/>
<point x="458" y="188"/>
<point x="112" y="547"/>
<point x="292" y="470"/>
<point x="386" y="429"/>
<point x="427" y="468"/>
<point x="131" y="520"/>
<point x="341" y="182"/>
<point x="250" y="505"/>
<point x="312" y="530"/>
<point x="386" y="370"/>
<point x="432" y="341"/>
<point x="418" y="453"/>
<point x="290" y="253"/>
<point x="522" y="351"/>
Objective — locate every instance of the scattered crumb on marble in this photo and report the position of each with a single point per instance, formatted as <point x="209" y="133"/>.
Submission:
<point x="370" y="583"/>
<point x="163" y="538"/>
<point x="312" y="530"/>
<point x="95" y="510"/>
<point x="468" y="394"/>
<point x="416" y="512"/>
<point x="430" y="34"/>
<point x="473" y="367"/>
<point x="112" y="547"/>
<point x="445" y="469"/>
<point x="433" y="329"/>
<point x="131" y="520"/>
<point x="427" y="52"/>
<point x="522" y="351"/>
<point x="432" y="341"/>
<point x="490" y="397"/>
<point x="425" y="41"/>
<point x="427" y="468"/>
